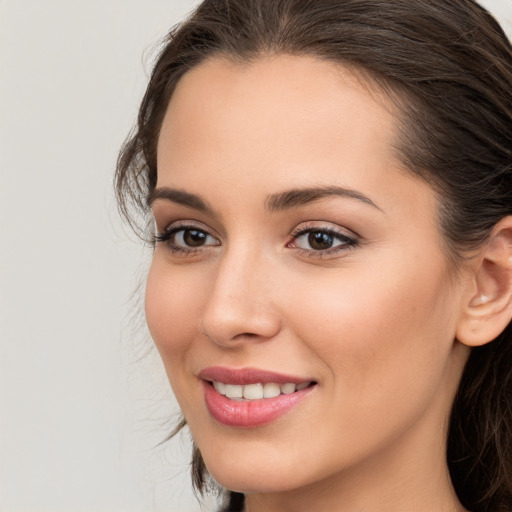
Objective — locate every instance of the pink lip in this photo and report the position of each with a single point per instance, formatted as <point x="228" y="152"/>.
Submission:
<point x="247" y="376"/>
<point x="251" y="413"/>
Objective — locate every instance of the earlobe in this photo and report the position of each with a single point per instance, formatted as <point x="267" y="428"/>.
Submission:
<point x="488" y="309"/>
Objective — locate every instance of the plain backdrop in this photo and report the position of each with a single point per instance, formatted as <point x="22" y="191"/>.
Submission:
<point x="83" y="398"/>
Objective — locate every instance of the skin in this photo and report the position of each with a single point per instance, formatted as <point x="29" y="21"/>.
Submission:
<point x="373" y="324"/>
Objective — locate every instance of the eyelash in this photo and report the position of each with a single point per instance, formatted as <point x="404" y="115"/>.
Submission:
<point x="347" y="242"/>
<point x="168" y="235"/>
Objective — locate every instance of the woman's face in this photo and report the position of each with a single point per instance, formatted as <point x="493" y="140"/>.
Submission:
<point x="296" y="250"/>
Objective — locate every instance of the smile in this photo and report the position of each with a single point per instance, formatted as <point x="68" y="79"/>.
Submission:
<point x="251" y="397"/>
<point x="257" y="391"/>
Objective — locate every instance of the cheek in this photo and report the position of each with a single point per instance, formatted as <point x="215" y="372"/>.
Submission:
<point x="380" y="336"/>
<point x="172" y="305"/>
<point x="384" y="349"/>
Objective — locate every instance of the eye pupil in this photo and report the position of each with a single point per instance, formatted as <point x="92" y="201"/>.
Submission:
<point x="194" y="238"/>
<point x="320" y="240"/>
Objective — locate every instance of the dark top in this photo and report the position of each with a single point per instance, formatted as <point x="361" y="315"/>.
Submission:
<point x="235" y="503"/>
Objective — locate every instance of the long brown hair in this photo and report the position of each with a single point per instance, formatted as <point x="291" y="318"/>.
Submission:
<point x="448" y="66"/>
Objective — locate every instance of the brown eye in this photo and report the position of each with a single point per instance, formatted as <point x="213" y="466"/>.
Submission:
<point x="191" y="238"/>
<point x="320" y="240"/>
<point x="194" y="237"/>
<point x="186" y="238"/>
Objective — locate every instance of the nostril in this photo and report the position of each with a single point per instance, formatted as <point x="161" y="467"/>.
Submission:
<point x="228" y="319"/>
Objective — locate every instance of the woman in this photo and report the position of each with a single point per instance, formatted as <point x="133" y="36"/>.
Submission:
<point x="331" y="285"/>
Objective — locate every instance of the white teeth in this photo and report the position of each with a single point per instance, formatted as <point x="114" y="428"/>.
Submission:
<point x="220" y="387"/>
<point x="253" y="391"/>
<point x="270" y="390"/>
<point x="234" y="391"/>
<point x="288" y="388"/>
<point x="257" y="391"/>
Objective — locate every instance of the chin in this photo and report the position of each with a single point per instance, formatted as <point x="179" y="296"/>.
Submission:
<point x="251" y="481"/>
<point x="253" y="474"/>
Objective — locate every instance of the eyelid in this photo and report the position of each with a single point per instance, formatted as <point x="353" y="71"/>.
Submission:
<point x="349" y="239"/>
<point x="326" y="226"/>
<point x="165" y="235"/>
<point x="183" y="223"/>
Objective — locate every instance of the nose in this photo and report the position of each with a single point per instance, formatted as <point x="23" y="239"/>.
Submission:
<point x="240" y="305"/>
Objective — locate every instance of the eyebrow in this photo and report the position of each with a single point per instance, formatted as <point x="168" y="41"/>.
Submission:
<point x="180" y="197"/>
<point x="300" y="197"/>
<point x="286" y="200"/>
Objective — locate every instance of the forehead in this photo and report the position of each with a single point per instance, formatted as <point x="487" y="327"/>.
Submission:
<point x="277" y="123"/>
<point x="277" y="102"/>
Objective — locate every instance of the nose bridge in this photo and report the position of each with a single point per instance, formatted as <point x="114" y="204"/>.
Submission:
<point x="240" y="305"/>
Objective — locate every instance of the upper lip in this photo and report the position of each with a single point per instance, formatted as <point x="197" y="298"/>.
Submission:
<point x="242" y="376"/>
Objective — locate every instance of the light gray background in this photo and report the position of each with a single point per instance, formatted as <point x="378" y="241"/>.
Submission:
<point x="81" y="406"/>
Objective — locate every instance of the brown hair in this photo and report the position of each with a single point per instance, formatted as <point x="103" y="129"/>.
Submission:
<point x="448" y="65"/>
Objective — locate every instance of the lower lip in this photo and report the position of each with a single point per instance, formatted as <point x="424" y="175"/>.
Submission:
<point x="250" y="413"/>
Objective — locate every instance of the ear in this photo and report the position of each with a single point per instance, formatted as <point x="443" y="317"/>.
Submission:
<point x="487" y="308"/>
